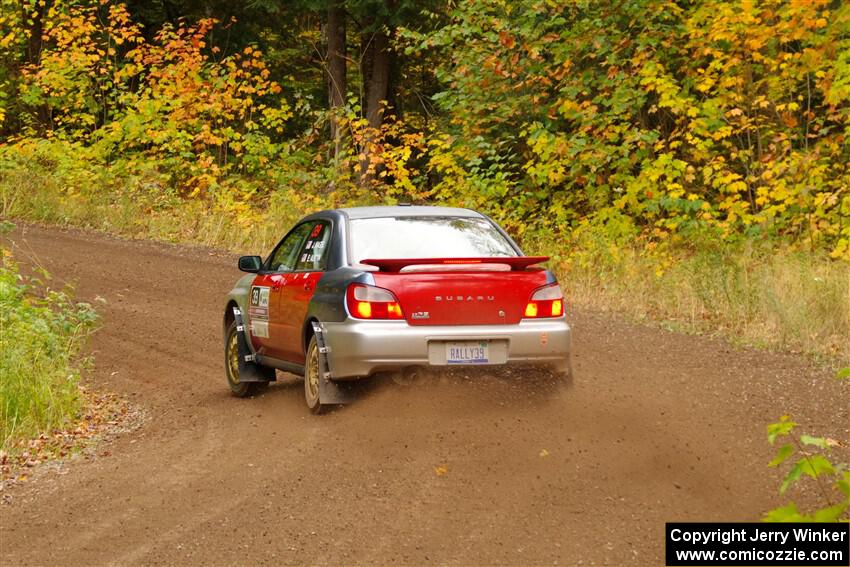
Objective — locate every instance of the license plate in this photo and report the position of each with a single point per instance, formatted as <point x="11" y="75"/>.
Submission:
<point x="468" y="352"/>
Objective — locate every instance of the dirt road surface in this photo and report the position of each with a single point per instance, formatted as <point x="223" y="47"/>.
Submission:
<point x="656" y="427"/>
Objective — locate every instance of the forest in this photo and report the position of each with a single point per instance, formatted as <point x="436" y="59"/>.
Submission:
<point x="684" y="161"/>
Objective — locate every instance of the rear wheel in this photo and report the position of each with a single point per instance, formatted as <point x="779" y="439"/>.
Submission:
<point x="234" y="365"/>
<point x="312" y="376"/>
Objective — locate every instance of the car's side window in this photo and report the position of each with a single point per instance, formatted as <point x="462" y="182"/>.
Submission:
<point x="314" y="252"/>
<point x="285" y="255"/>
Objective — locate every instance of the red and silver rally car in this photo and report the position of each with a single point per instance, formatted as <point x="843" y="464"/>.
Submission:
<point x="351" y="292"/>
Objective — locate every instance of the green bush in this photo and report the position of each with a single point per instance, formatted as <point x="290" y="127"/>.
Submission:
<point x="41" y="334"/>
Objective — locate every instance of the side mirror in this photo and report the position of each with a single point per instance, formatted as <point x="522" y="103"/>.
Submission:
<point x="250" y="264"/>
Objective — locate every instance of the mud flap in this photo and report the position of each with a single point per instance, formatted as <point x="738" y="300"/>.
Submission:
<point x="330" y="392"/>
<point x="249" y="371"/>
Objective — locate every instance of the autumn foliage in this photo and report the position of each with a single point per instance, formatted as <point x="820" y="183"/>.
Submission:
<point x="645" y="119"/>
<point x="726" y="116"/>
<point x="650" y="119"/>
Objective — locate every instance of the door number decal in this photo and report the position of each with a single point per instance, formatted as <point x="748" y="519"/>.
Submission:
<point x="260" y="296"/>
<point x="259" y="312"/>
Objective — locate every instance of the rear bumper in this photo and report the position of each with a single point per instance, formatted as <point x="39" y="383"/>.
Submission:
<point x="359" y="348"/>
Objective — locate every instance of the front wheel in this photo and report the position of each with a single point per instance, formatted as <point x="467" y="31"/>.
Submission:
<point x="312" y="376"/>
<point x="234" y="364"/>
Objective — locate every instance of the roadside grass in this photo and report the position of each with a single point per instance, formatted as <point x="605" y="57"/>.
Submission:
<point x="42" y="332"/>
<point x="755" y="293"/>
<point x="760" y="295"/>
<point x="139" y="208"/>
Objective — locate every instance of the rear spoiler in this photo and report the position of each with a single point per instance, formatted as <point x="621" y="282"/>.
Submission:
<point x="516" y="263"/>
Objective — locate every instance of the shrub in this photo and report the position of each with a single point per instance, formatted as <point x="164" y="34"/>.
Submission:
<point x="41" y="334"/>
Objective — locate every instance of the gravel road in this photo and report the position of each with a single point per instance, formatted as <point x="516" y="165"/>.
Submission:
<point x="468" y="469"/>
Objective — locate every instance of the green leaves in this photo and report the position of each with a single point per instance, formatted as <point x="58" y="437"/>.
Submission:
<point x="793" y="476"/>
<point x="831" y="513"/>
<point x="783" y="427"/>
<point x="782" y="455"/>
<point x="821" y="442"/>
<point x="788" y="513"/>
<point x="844" y="484"/>
<point x="812" y="462"/>
<point x="812" y="466"/>
<point x="843" y="374"/>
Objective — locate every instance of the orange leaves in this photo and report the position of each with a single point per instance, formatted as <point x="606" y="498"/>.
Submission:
<point x="167" y="98"/>
<point x="507" y="40"/>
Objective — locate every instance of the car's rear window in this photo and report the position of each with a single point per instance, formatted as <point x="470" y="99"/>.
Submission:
<point x="426" y="237"/>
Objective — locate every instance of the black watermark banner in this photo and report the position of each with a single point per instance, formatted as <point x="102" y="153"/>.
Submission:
<point x="744" y="544"/>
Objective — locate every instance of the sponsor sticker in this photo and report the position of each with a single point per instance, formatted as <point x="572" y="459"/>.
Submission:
<point x="260" y="329"/>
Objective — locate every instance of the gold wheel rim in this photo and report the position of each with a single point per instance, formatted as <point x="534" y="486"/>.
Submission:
<point x="313" y="373"/>
<point x="233" y="358"/>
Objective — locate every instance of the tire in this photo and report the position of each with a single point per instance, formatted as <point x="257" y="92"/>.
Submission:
<point x="312" y="375"/>
<point x="235" y="365"/>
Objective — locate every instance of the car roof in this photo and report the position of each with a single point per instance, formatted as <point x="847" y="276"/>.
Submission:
<point x="407" y="211"/>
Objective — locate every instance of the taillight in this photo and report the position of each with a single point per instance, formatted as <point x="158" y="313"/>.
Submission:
<point x="370" y="302"/>
<point x="546" y="301"/>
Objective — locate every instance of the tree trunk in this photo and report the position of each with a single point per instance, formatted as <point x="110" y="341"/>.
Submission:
<point x="379" y="79"/>
<point x="36" y="28"/>
<point x="336" y="69"/>
<point x="376" y="74"/>
<point x="32" y="55"/>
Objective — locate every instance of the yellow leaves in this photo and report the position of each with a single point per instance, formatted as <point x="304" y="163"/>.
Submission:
<point x="736" y="186"/>
<point x="655" y="78"/>
<point x="441" y="470"/>
<point x="7" y="40"/>
<point x="675" y="190"/>
<point x="754" y="43"/>
<point x="722" y="133"/>
<point x="706" y="84"/>
<point x="569" y="108"/>
<point x="841" y="250"/>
